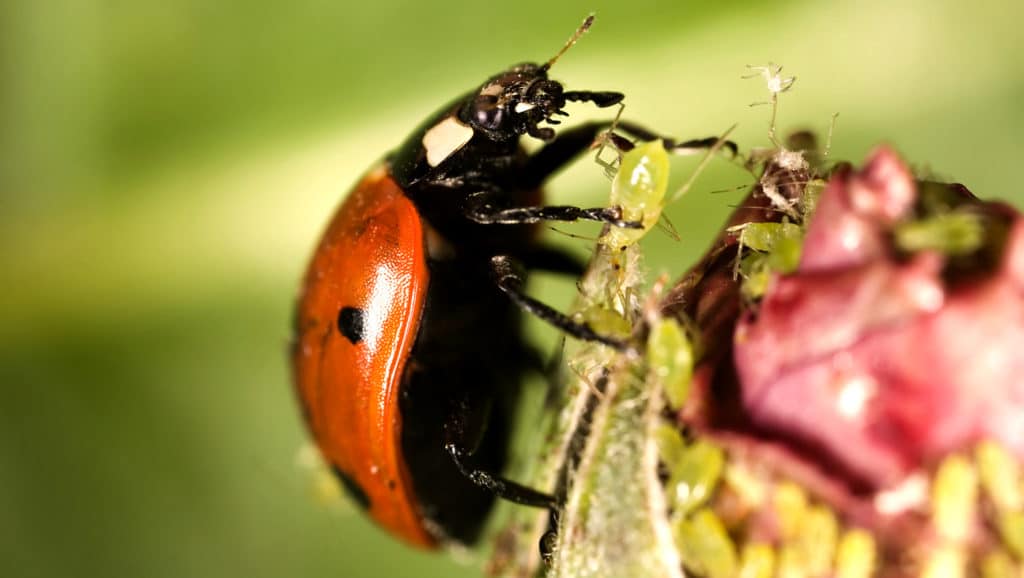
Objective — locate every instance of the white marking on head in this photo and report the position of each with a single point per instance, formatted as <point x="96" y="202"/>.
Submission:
<point x="492" y="89"/>
<point x="524" y="106"/>
<point x="444" y="138"/>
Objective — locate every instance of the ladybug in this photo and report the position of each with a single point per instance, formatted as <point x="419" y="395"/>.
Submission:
<point x="408" y="352"/>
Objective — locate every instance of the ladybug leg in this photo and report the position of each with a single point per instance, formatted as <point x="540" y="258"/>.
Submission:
<point x="602" y="99"/>
<point x="572" y="142"/>
<point x="480" y="211"/>
<point x="564" y="148"/>
<point x="505" y="489"/>
<point x="511" y="282"/>
<point x="457" y="443"/>
<point x="671" y="144"/>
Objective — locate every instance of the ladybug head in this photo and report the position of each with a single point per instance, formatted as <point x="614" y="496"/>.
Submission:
<point x="514" y="103"/>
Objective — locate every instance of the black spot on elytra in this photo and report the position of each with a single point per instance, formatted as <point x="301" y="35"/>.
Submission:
<point x="354" y="489"/>
<point x="350" y="323"/>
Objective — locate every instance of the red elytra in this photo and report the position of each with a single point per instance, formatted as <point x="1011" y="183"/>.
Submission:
<point x="372" y="258"/>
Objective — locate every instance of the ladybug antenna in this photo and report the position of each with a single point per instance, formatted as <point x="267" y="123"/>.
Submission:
<point x="576" y="36"/>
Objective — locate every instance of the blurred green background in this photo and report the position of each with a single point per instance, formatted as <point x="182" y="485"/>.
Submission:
<point x="166" y="166"/>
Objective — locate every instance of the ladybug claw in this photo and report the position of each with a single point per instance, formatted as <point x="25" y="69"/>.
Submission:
<point x="505" y="489"/>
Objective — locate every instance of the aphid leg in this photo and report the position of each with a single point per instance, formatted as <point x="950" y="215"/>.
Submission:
<point x="569" y="144"/>
<point x="505" y="489"/>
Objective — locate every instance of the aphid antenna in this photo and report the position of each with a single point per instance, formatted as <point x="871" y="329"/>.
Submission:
<point x="700" y="166"/>
<point x="732" y="189"/>
<point x="588" y="238"/>
<point x="773" y="209"/>
<point x="666" y="226"/>
<point x="828" y="141"/>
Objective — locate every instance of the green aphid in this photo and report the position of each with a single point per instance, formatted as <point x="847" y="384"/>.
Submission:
<point x="606" y="321"/>
<point x="791" y="565"/>
<point x="816" y="540"/>
<point x="945" y="562"/>
<point x="756" y="274"/>
<point x="766" y="237"/>
<point x="809" y="198"/>
<point x="671" y="445"/>
<point x="774" y="248"/>
<point x="694" y="476"/>
<point x="810" y="535"/>
<point x="757" y="561"/>
<point x="747" y="485"/>
<point x="639" y="189"/>
<point x="954" y="498"/>
<point x="785" y="256"/>
<point x="1011" y="530"/>
<point x="953" y="233"/>
<point x="704" y="545"/>
<point x="1000" y="476"/>
<point x="998" y="565"/>
<point x="855" y="555"/>
<point x="670" y="357"/>
<point x="790" y="503"/>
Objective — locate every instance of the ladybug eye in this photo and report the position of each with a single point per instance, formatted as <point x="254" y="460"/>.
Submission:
<point x="487" y="113"/>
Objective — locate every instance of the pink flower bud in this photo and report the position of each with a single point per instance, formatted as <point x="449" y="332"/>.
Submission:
<point x="874" y="356"/>
<point x="878" y="356"/>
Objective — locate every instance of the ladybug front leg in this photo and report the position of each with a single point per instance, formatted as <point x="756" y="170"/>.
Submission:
<point x="572" y="142"/>
<point x="600" y="98"/>
<point x="671" y="145"/>
<point x="503" y="271"/>
<point x="480" y="210"/>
